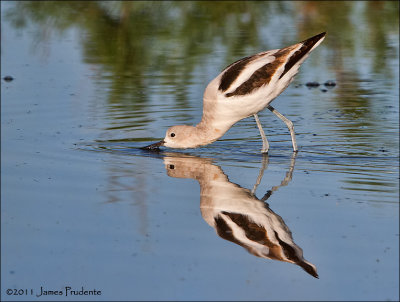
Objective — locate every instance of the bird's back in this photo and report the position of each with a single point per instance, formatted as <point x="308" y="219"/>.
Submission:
<point x="248" y="85"/>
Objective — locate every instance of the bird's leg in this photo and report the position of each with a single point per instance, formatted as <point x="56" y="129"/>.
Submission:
<point x="264" y="138"/>
<point x="288" y="123"/>
<point x="285" y="181"/>
<point x="264" y="164"/>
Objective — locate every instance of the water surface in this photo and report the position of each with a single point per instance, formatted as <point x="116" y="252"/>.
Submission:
<point x="83" y="206"/>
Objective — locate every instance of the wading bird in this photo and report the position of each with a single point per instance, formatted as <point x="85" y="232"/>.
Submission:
<point x="243" y="89"/>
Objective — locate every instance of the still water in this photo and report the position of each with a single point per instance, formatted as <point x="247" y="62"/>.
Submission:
<point x="83" y="207"/>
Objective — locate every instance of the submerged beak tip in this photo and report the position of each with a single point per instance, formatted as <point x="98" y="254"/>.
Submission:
<point x="155" y="146"/>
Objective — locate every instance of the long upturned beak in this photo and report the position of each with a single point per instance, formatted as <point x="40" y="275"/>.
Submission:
<point x="154" y="146"/>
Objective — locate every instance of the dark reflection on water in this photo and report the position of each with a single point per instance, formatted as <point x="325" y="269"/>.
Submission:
<point x="236" y="213"/>
<point x="149" y="60"/>
<point x="136" y="43"/>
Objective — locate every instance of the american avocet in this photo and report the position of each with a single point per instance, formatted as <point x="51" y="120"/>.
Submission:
<point x="237" y="214"/>
<point x="242" y="89"/>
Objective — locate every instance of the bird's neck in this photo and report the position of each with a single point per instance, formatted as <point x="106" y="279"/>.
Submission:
<point x="209" y="131"/>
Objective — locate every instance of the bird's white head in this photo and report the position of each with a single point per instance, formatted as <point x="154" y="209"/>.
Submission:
<point x="182" y="136"/>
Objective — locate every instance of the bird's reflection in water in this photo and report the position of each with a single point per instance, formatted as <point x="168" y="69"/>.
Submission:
<point x="237" y="214"/>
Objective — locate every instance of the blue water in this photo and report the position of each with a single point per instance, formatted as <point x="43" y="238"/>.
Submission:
<point x="83" y="206"/>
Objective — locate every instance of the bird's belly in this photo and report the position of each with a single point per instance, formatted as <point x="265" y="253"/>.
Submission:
<point x="240" y="108"/>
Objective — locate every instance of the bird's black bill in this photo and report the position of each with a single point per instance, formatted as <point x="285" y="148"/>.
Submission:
<point x="154" y="146"/>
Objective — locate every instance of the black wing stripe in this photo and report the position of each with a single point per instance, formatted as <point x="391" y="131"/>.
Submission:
<point x="299" y="54"/>
<point x="263" y="75"/>
<point x="232" y="72"/>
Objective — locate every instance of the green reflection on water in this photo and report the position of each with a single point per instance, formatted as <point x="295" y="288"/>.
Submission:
<point x="143" y="49"/>
<point x="128" y="38"/>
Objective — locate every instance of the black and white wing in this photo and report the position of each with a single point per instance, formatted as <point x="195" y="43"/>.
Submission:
<point x="270" y="70"/>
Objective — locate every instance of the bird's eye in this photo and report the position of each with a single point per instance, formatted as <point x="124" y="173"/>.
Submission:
<point x="172" y="134"/>
<point x="171" y="167"/>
